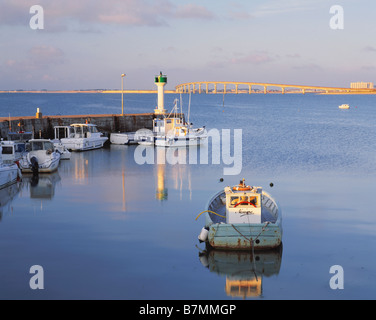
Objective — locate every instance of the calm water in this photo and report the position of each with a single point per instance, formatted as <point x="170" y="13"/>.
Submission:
<point x="104" y="227"/>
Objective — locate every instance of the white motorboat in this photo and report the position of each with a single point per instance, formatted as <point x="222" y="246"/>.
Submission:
<point x="344" y="106"/>
<point x="9" y="173"/>
<point x="242" y="218"/>
<point x="42" y="157"/>
<point x="12" y="151"/>
<point x="80" y="137"/>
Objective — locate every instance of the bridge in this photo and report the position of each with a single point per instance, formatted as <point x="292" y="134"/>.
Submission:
<point x="224" y="87"/>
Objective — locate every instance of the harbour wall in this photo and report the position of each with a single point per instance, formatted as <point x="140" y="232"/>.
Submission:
<point x="43" y="126"/>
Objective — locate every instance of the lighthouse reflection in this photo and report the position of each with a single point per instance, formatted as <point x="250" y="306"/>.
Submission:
<point x="178" y="174"/>
<point x="244" y="271"/>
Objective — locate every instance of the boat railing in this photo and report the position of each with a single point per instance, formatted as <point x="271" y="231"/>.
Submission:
<point x="269" y="203"/>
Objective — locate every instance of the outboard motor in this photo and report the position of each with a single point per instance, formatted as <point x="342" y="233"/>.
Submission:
<point x="34" y="165"/>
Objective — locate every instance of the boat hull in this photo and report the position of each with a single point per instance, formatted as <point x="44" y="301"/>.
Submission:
<point x="8" y="175"/>
<point x="83" y="144"/>
<point x="244" y="236"/>
<point x="119" y="138"/>
<point x="179" y="141"/>
<point x="45" y="164"/>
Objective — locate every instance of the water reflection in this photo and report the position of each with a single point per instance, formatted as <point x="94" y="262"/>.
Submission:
<point x="244" y="271"/>
<point x="41" y="186"/>
<point x="6" y="197"/>
<point x="178" y="173"/>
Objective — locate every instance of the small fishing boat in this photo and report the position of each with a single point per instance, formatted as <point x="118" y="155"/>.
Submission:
<point x="80" y="137"/>
<point x="242" y="218"/>
<point x="41" y="158"/>
<point x="172" y="131"/>
<point x="344" y="106"/>
<point x="9" y="173"/>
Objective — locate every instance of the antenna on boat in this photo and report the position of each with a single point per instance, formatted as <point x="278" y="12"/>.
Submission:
<point x="189" y="108"/>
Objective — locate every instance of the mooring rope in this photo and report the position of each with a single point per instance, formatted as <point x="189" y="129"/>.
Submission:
<point x="209" y="212"/>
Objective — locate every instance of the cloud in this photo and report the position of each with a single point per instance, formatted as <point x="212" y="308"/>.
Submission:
<point x="274" y="7"/>
<point x="38" y="57"/>
<point x="192" y="11"/>
<point x="369" y="49"/>
<point x="308" y="67"/>
<point x="256" y="58"/>
<point x="62" y="15"/>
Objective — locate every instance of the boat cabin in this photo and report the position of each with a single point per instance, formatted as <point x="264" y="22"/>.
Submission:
<point x="243" y="204"/>
<point x="12" y="150"/>
<point x="166" y="125"/>
<point x="75" y="131"/>
<point x="41" y="144"/>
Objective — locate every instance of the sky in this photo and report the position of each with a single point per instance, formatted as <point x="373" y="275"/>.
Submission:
<point x="88" y="44"/>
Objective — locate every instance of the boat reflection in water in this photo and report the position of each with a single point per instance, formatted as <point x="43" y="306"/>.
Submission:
<point x="244" y="270"/>
<point x="7" y="195"/>
<point x="41" y="186"/>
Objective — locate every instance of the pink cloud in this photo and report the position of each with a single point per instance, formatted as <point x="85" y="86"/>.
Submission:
<point x="193" y="11"/>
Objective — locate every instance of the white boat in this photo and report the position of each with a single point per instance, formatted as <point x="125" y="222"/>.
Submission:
<point x="119" y="138"/>
<point x="242" y="218"/>
<point x="80" y="137"/>
<point x="63" y="150"/>
<point x="344" y="106"/>
<point x="173" y="131"/>
<point x="12" y="151"/>
<point x="41" y="158"/>
<point x="9" y="173"/>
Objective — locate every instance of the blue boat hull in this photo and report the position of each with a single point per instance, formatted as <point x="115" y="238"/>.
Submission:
<point x="245" y="236"/>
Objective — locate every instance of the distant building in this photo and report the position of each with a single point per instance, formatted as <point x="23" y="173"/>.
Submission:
<point x="361" y="85"/>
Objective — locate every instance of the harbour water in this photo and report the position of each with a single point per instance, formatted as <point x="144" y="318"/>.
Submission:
<point x="105" y="227"/>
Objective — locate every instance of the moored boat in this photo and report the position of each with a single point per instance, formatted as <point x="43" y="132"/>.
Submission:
<point x="121" y="138"/>
<point x="242" y="218"/>
<point x="12" y="151"/>
<point x="80" y="137"/>
<point x="9" y="173"/>
<point x="41" y="158"/>
<point x="344" y="106"/>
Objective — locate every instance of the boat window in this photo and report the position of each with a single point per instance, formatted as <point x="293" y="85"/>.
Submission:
<point x="20" y="147"/>
<point x="7" y="150"/>
<point x="48" y="146"/>
<point x="234" y="201"/>
<point x="243" y="201"/>
<point x="93" y="129"/>
<point x="37" y="145"/>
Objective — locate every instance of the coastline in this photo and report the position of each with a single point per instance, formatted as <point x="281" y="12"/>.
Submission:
<point x="174" y="92"/>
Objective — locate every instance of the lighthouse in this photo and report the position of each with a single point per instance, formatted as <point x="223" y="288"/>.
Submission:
<point x="160" y="82"/>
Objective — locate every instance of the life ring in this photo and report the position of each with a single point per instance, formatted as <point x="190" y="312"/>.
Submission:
<point x="241" y="187"/>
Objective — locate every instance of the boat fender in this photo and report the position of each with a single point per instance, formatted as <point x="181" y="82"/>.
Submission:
<point x="203" y="236"/>
<point x="204" y="260"/>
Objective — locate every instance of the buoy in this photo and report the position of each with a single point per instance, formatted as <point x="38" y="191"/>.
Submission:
<point x="203" y="236"/>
